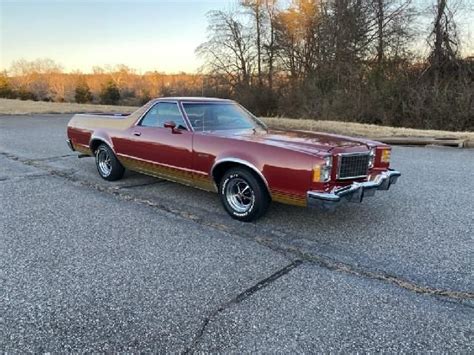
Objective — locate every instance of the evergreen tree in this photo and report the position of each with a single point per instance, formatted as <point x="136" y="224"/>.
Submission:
<point x="110" y="94"/>
<point x="83" y="93"/>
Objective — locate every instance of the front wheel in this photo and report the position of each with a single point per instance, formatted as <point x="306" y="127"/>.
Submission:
<point x="243" y="195"/>
<point x="108" y="166"/>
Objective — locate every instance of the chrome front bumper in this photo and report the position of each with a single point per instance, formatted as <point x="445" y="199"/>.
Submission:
<point x="69" y="144"/>
<point x="352" y="193"/>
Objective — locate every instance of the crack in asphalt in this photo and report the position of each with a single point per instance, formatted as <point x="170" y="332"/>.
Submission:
<point x="335" y="265"/>
<point x="238" y="299"/>
<point x="23" y="177"/>
<point x="289" y="251"/>
<point x="140" y="185"/>
<point x="51" y="159"/>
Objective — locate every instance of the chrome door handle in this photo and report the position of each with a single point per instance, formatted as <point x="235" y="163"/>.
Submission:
<point x="138" y="134"/>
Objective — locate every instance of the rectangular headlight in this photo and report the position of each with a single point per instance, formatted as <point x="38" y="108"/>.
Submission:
<point x="328" y="161"/>
<point x="372" y="158"/>
<point x="326" y="175"/>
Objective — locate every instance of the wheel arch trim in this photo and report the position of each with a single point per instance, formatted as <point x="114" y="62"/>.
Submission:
<point x="241" y="162"/>
<point x="97" y="138"/>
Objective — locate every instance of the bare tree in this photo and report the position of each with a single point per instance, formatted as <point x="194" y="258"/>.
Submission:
<point x="256" y="10"/>
<point x="270" y="45"/>
<point x="229" y="49"/>
<point x="35" y="76"/>
<point x="263" y="14"/>
<point x="390" y="27"/>
<point x="443" y="40"/>
<point x="296" y="34"/>
<point x="330" y="59"/>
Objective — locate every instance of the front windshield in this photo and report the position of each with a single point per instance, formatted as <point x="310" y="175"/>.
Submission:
<point x="219" y="116"/>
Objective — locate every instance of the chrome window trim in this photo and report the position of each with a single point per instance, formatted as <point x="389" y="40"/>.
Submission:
<point x="259" y="121"/>
<point x="157" y="102"/>
<point x="339" y="160"/>
<point x="137" y="122"/>
<point x="185" y="115"/>
<point x="204" y="102"/>
<point x="224" y="101"/>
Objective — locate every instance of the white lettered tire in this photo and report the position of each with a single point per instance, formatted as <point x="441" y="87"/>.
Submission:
<point x="243" y="194"/>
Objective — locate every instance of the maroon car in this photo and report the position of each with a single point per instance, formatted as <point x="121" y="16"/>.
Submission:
<point x="217" y="145"/>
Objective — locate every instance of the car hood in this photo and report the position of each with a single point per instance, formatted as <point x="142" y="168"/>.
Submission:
<point x="304" y="141"/>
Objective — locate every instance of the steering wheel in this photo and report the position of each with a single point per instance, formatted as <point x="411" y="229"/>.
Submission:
<point x="196" y="122"/>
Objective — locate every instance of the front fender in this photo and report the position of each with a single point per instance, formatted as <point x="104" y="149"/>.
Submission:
<point x="240" y="159"/>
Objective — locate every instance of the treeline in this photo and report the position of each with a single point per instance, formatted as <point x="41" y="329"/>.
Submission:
<point x="351" y="60"/>
<point x="44" y="80"/>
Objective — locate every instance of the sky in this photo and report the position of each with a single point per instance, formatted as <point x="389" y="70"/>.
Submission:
<point x="145" y="35"/>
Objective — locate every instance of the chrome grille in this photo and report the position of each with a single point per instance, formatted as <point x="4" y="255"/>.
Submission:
<point x="353" y="165"/>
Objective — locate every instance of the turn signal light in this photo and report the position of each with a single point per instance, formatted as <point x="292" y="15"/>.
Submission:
<point x="385" y="158"/>
<point x="317" y="174"/>
<point x="321" y="173"/>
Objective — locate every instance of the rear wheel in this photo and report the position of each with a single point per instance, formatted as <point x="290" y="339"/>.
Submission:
<point x="243" y="195"/>
<point x="108" y="166"/>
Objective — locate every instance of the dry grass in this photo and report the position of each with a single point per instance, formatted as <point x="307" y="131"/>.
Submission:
<point x="359" y="129"/>
<point x="17" y="107"/>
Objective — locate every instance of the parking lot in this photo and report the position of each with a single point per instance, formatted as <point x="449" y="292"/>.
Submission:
<point x="143" y="264"/>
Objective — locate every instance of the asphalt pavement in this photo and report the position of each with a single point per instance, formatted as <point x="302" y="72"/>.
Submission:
<point x="143" y="264"/>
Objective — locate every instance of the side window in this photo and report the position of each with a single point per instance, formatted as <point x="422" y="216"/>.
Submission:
<point x="163" y="112"/>
<point x="214" y="117"/>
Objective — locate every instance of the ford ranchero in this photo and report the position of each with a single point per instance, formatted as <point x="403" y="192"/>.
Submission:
<point x="218" y="145"/>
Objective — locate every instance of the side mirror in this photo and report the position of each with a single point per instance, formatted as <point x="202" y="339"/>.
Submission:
<point x="172" y="125"/>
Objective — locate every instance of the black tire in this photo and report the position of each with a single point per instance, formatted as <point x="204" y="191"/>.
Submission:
<point x="112" y="170"/>
<point x="255" y="198"/>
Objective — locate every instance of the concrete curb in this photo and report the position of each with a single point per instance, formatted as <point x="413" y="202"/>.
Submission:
<point x="469" y="144"/>
<point x="446" y="142"/>
<point x="422" y="141"/>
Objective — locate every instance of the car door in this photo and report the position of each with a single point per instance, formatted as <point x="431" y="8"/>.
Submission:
<point x="152" y="148"/>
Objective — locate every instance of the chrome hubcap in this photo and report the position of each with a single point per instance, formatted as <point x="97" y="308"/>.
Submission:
<point x="104" y="163"/>
<point x="239" y="195"/>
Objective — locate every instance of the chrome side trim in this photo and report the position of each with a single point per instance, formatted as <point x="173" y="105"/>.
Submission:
<point x="100" y="139"/>
<point x="192" y="171"/>
<point x="239" y="161"/>
<point x="354" y="192"/>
